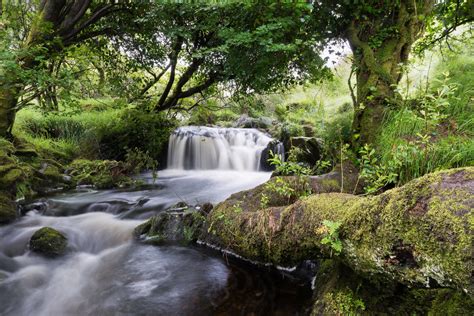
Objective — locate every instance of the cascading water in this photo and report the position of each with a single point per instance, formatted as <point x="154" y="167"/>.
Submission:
<point x="201" y="147"/>
<point x="106" y="272"/>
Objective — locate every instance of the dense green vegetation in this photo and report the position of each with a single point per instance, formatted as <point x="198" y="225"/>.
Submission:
<point x="90" y="92"/>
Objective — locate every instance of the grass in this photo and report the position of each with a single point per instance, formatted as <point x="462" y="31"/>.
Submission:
<point x="91" y="134"/>
<point x="414" y="144"/>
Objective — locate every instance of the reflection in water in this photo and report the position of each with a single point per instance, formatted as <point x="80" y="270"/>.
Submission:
<point x="106" y="272"/>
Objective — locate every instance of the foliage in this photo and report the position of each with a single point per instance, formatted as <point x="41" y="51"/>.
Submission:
<point x="103" y="174"/>
<point x="137" y="161"/>
<point x="331" y="238"/>
<point x="375" y="175"/>
<point x="97" y="134"/>
<point x="288" y="167"/>
<point x="343" y="302"/>
<point x="184" y="49"/>
<point x="281" y="188"/>
<point x="264" y="200"/>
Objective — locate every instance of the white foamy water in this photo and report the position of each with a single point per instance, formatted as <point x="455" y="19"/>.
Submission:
<point x="201" y="147"/>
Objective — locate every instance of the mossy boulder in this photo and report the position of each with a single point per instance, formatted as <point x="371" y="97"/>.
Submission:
<point x="341" y="291"/>
<point x="420" y="234"/>
<point x="103" y="174"/>
<point x="12" y="170"/>
<point x="7" y="208"/>
<point x="182" y="226"/>
<point x="48" y="242"/>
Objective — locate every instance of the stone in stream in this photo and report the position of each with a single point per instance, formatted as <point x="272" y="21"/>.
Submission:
<point x="49" y="242"/>
<point x="182" y="225"/>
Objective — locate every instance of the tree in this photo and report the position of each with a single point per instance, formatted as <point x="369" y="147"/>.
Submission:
<point x="33" y="33"/>
<point x="183" y="49"/>
<point x="381" y="34"/>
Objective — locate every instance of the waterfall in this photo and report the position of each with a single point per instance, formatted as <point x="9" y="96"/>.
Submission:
<point x="201" y="147"/>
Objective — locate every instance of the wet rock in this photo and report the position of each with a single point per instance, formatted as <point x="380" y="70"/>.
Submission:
<point x="308" y="149"/>
<point x="102" y="174"/>
<point x="49" y="242"/>
<point x="171" y="226"/>
<point x="180" y="205"/>
<point x="206" y="208"/>
<point x="275" y="147"/>
<point x="40" y="206"/>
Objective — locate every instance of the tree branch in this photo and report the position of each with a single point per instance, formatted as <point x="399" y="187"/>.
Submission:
<point x="151" y="83"/>
<point x="96" y="16"/>
<point x="173" y="60"/>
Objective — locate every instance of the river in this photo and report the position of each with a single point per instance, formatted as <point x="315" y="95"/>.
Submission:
<point x="107" y="272"/>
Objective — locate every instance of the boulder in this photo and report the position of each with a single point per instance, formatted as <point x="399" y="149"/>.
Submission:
<point x="309" y="149"/>
<point x="171" y="226"/>
<point x="275" y="147"/>
<point x="419" y="235"/>
<point x="48" y="242"/>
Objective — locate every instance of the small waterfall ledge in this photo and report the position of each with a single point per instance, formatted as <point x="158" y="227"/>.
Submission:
<point x="201" y="147"/>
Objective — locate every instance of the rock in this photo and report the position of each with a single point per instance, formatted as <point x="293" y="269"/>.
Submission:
<point x="276" y="147"/>
<point x="171" y="226"/>
<point x="48" y="242"/>
<point x="40" y="206"/>
<point x="309" y="149"/>
<point x="206" y="208"/>
<point x="419" y="235"/>
<point x="180" y="205"/>
<point x="244" y="121"/>
<point x="308" y="130"/>
<point x="7" y="208"/>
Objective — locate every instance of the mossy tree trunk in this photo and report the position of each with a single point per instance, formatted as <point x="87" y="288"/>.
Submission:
<point x="380" y="49"/>
<point x="8" y="102"/>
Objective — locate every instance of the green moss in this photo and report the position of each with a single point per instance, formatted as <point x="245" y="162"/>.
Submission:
<point x="49" y="242"/>
<point x="103" y="174"/>
<point x="341" y="291"/>
<point x="419" y="234"/>
<point x="449" y="302"/>
<point x="7" y="208"/>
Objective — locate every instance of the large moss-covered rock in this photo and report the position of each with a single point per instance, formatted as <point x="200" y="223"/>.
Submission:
<point x="341" y="291"/>
<point x="49" y="242"/>
<point x="420" y="234"/>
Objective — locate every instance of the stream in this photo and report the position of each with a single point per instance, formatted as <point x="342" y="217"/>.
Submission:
<point x="107" y="272"/>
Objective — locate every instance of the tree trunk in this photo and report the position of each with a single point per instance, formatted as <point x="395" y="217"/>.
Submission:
<point x="67" y="20"/>
<point x="8" y="102"/>
<point x="380" y="49"/>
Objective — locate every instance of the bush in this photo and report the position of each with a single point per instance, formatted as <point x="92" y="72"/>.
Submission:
<point x="96" y="135"/>
<point x="148" y="132"/>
